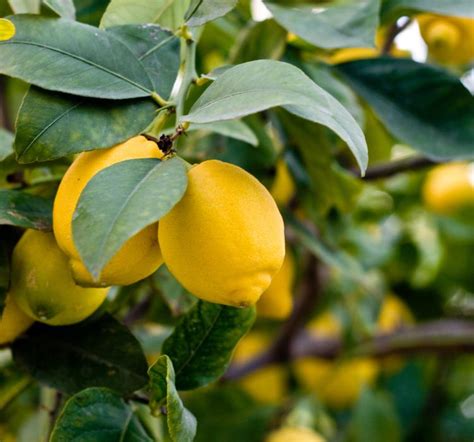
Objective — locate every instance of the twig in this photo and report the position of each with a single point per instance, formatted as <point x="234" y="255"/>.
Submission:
<point x="4" y="120"/>
<point x="386" y="170"/>
<point x="137" y="311"/>
<point x="394" y="30"/>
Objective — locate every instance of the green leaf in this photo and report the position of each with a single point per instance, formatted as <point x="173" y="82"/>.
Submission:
<point x="231" y="128"/>
<point x="25" y="6"/>
<point x="258" y="85"/>
<point x="167" y="13"/>
<point x="392" y="9"/>
<point x="101" y="415"/>
<point x="12" y="383"/>
<point x="422" y="105"/>
<point x="343" y="24"/>
<point x="202" y="11"/>
<point x="120" y="201"/>
<point x="63" y="8"/>
<point x="6" y="144"/>
<point x="181" y="423"/>
<point x="100" y="353"/>
<point x="71" y="57"/>
<point x="374" y="419"/>
<point x="21" y="209"/>
<point x="90" y="11"/>
<point x="202" y="343"/>
<point x="51" y="125"/>
<point x="158" y="51"/>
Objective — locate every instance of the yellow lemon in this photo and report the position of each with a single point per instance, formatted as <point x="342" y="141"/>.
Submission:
<point x="277" y="301"/>
<point x="294" y="434"/>
<point x="13" y="322"/>
<point x="450" y="40"/>
<point x="140" y="256"/>
<point x="224" y="241"/>
<point x="268" y="384"/>
<point x="7" y="29"/>
<point x="283" y="186"/>
<point x="42" y="284"/>
<point x="338" y="384"/>
<point x="449" y="188"/>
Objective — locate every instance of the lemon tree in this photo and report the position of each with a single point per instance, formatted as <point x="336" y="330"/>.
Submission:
<point x="236" y="221"/>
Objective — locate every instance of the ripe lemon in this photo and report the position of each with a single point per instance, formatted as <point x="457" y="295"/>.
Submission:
<point x="449" y="188"/>
<point x="140" y="256"/>
<point x="13" y="322"/>
<point x="449" y="39"/>
<point x="268" y="384"/>
<point x="277" y="301"/>
<point x="42" y="284"/>
<point x="294" y="434"/>
<point x="283" y="186"/>
<point x="338" y="384"/>
<point x="224" y="241"/>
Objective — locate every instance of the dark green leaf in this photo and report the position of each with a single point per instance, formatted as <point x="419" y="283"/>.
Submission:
<point x="51" y="125"/>
<point x="226" y="414"/>
<point x="203" y="11"/>
<point x="423" y="106"/>
<point x="6" y="144"/>
<point x="157" y="50"/>
<point x="98" y="414"/>
<point x="342" y="24"/>
<point x="121" y="200"/>
<point x="12" y="383"/>
<point x="63" y="8"/>
<point x="100" y="353"/>
<point x="24" y="210"/>
<point x="202" y="343"/>
<point x="90" y="11"/>
<point x="258" y="85"/>
<point x="392" y="9"/>
<point x="374" y="419"/>
<point x="181" y="423"/>
<point x="71" y="57"/>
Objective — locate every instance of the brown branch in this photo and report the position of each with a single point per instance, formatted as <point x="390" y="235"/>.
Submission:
<point x="391" y="168"/>
<point x="393" y="32"/>
<point x="440" y="337"/>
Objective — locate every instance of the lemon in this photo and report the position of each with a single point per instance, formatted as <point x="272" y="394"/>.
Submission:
<point x="283" y="186"/>
<point x="338" y="384"/>
<point x="294" y="434"/>
<point x="224" y="241"/>
<point x="449" y="188"/>
<point x="277" y="301"/>
<point x="267" y="384"/>
<point x="13" y="322"/>
<point x="449" y="39"/>
<point x="140" y="256"/>
<point x="7" y="29"/>
<point x="42" y="284"/>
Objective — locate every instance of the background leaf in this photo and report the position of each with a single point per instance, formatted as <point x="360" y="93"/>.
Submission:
<point x="339" y="25"/>
<point x="421" y="105"/>
<point x="6" y="144"/>
<point x="51" y="125"/>
<point x="71" y="57"/>
<point x="64" y="8"/>
<point x="121" y="200"/>
<point x="24" y="210"/>
<point x="231" y="128"/>
<point x="100" y="414"/>
<point x="395" y="8"/>
<point x="202" y="343"/>
<point x="258" y="85"/>
<point x="25" y="6"/>
<point x="100" y="353"/>
<point x="203" y="11"/>
<point x="181" y="423"/>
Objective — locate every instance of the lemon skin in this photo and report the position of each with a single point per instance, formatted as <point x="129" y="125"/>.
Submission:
<point x="283" y="187"/>
<point x="42" y="284"/>
<point x="140" y="256"/>
<point x="449" y="188"/>
<point x="224" y="241"/>
<point x="277" y="301"/>
<point x="267" y="385"/>
<point x="294" y="434"/>
<point x="13" y="321"/>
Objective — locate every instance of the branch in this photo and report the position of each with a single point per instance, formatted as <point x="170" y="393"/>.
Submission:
<point x="391" y="168"/>
<point x="440" y="337"/>
<point x="393" y="32"/>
